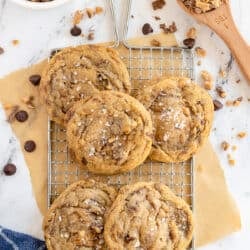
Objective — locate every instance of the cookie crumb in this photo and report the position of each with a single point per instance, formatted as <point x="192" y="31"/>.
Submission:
<point x="241" y="134"/>
<point x="158" y="4"/>
<point x="1" y="50"/>
<point x="234" y="147"/>
<point x="78" y="16"/>
<point x="200" y="52"/>
<point x="207" y="79"/>
<point x="98" y="10"/>
<point x="15" y="42"/>
<point x="225" y="145"/>
<point x="231" y="162"/>
<point x="91" y="36"/>
<point x="90" y="12"/>
<point x="157" y="18"/>
<point x="155" y="43"/>
<point x="220" y="91"/>
<point x="191" y="33"/>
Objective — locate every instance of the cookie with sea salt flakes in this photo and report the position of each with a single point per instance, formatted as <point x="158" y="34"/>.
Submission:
<point x="77" y="73"/>
<point x="147" y="215"/>
<point x="110" y="133"/>
<point x="182" y="115"/>
<point x="76" y="218"/>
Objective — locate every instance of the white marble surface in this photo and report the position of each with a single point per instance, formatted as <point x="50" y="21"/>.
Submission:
<point x="39" y="31"/>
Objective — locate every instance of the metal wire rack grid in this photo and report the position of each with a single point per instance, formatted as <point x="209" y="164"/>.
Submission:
<point x="144" y="65"/>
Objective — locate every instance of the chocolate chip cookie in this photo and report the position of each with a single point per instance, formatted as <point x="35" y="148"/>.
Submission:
<point x="77" y="73"/>
<point x="182" y="114"/>
<point x="148" y="215"/>
<point x="110" y="133"/>
<point x="76" y="218"/>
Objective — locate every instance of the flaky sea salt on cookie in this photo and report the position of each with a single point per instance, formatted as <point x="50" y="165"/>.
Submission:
<point x="182" y="114"/>
<point x="76" y="218"/>
<point x="147" y="215"/>
<point x="77" y="73"/>
<point x="110" y="133"/>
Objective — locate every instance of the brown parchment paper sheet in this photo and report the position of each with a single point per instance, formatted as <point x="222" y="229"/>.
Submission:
<point x="211" y="194"/>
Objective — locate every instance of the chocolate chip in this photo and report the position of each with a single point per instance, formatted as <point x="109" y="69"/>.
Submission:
<point x="21" y="116"/>
<point x="128" y="238"/>
<point x="217" y="105"/>
<point x="29" y="146"/>
<point x="158" y="4"/>
<point x="9" y="169"/>
<point x="84" y="161"/>
<point x="35" y="79"/>
<point x="1" y="50"/>
<point x="146" y="29"/>
<point x="189" y="42"/>
<point x="75" y="31"/>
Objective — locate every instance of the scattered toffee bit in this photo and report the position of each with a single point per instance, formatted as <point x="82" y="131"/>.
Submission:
<point x="1" y="50"/>
<point x="9" y="169"/>
<point x="234" y="147"/>
<point x="147" y="29"/>
<point x="35" y="79"/>
<point x="189" y="42"/>
<point x="12" y="114"/>
<point x="222" y="73"/>
<point x="78" y="16"/>
<point x="29" y="146"/>
<point x="235" y="102"/>
<point x="201" y="6"/>
<point x="90" y="12"/>
<point x="170" y="29"/>
<point x="241" y="135"/>
<point x="231" y="161"/>
<point x="98" y="10"/>
<point x="155" y="43"/>
<point x="200" y="52"/>
<point x="220" y="91"/>
<point x="21" y="116"/>
<point x="217" y="105"/>
<point x="192" y="33"/>
<point x="158" y="4"/>
<point x="75" y="31"/>
<point x="225" y="145"/>
<point x="157" y="18"/>
<point x="91" y="36"/>
<point x="15" y="42"/>
<point x="207" y="79"/>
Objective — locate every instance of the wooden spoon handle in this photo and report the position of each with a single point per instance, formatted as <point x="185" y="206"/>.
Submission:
<point x="224" y="26"/>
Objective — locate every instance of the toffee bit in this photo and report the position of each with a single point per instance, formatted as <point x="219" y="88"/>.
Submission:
<point x="15" y="42"/>
<point x="155" y="43"/>
<point x="220" y="91"/>
<point x="225" y="145"/>
<point x="192" y="33"/>
<point x="90" y="12"/>
<point x="200" y="52"/>
<point x="241" y="135"/>
<point x="98" y="10"/>
<point x="78" y="16"/>
<point x="91" y="36"/>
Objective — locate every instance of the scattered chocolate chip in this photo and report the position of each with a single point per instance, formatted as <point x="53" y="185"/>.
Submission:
<point x="158" y="4"/>
<point x="217" y="105"/>
<point x="189" y="42"/>
<point x="157" y="18"/>
<point x="35" y="79"/>
<point x="21" y="116"/>
<point x="1" y="50"/>
<point x="9" y="169"/>
<point x="146" y="29"/>
<point x="76" y="31"/>
<point x="30" y="146"/>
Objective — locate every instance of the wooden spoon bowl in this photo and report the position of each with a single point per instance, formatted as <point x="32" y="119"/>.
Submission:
<point x="221" y="21"/>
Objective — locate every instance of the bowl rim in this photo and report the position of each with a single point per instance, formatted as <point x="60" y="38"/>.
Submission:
<point x="40" y="5"/>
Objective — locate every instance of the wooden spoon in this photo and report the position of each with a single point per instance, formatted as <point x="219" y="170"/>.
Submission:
<point x="221" y="21"/>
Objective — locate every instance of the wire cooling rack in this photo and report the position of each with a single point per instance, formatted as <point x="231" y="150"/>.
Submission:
<point x="144" y="64"/>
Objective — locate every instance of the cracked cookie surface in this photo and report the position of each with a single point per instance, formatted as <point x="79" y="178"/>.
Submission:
<point x="148" y="215"/>
<point x="76" y="218"/>
<point x="182" y="114"/>
<point x="77" y="73"/>
<point x="110" y="133"/>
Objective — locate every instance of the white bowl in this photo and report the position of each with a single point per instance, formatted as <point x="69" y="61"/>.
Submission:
<point x="40" y="5"/>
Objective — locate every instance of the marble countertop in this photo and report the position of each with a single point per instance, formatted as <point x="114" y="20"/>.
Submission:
<point x="40" y="31"/>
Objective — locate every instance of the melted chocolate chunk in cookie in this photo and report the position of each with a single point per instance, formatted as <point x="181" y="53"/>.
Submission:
<point x="30" y="146"/>
<point x="35" y="79"/>
<point x="21" y="116"/>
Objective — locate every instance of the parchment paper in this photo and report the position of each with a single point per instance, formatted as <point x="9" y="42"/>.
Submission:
<point x="215" y="211"/>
